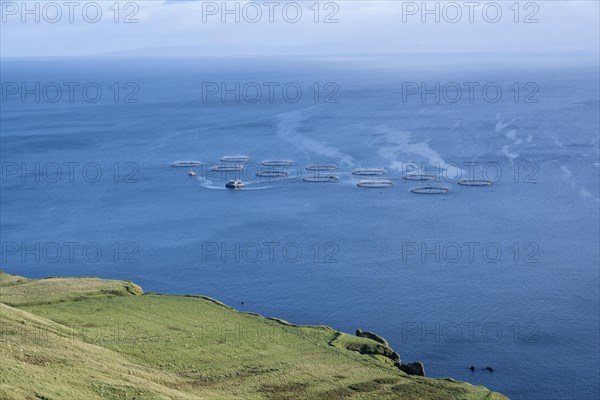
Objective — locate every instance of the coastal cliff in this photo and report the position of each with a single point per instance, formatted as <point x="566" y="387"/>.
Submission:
<point x="88" y="338"/>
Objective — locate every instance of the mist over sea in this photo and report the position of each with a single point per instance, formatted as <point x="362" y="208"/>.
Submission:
<point x="504" y="276"/>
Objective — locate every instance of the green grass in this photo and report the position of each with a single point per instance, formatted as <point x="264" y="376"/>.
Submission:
<point x="87" y="338"/>
<point x="18" y="291"/>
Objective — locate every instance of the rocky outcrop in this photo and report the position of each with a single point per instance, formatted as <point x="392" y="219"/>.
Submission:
<point x="374" y="349"/>
<point x="415" y="368"/>
<point x="384" y="349"/>
<point x="372" y="336"/>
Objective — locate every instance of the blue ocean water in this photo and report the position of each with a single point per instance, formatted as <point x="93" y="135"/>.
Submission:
<point x="504" y="276"/>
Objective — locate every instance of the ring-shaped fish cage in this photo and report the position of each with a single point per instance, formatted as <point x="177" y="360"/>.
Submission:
<point x="413" y="176"/>
<point x="226" y="168"/>
<point x="276" y="163"/>
<point x="321" y="168"/>
<point x="430" y="190"/>
<point x="376" y="184"/>
<point x="320" y="178"/>
<point x="368" y="171"/>
<point x="475" y="182"/>
<point x="186" y="164"/>
<point x="235" y="159"/>
<point x="272" y="174"/>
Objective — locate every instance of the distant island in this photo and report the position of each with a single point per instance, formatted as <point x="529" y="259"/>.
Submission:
<point x="89" y="338"/>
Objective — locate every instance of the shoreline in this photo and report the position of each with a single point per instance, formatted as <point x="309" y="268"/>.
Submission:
<point x="191" y="345"/>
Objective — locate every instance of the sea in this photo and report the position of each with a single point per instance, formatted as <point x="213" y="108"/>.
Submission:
<point x="501" y="274"/>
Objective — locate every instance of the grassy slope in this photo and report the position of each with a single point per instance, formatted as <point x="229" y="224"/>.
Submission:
<point x="88" y="338"/>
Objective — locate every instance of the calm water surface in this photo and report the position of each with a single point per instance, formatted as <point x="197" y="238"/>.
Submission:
<point x="503" y="276"/>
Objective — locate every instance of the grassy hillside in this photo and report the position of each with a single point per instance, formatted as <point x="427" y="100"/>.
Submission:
<point x="86" y="338"/>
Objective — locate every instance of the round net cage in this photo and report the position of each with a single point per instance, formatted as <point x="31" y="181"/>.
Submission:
<point x="276" y="163"/>
<point x="320" y="178"/>
<point x="368" y="171"/>
<point x="430" y="190"/>
<point x="272" y="174"/>
<point x="226" y="168"/>
<point x="375" y="184"/>
<point x="235" y="158"/>
<point x="416" y="176"/>
<point x="321" y="168"/>
<point x="186" y="164"/>
<point x="475" y="182"/>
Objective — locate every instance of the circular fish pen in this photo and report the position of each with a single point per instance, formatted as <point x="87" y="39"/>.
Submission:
<point x="321" y="168"/>
<point x="320" y="178"/>
<point x="235" y="159"/>
<point x="272" y="174"/>
<point x="375" y="184"/>
<point x="475" y="182"/>
<point x="276" y="163"/>
<point x="368" y="171"/>
<point x="430" y="190"/>
<point x="413" y="176"/>
<point x="226" y="168"/>
<point x="186" y="164"/>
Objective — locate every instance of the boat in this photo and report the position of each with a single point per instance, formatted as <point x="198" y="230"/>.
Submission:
<point x="192" y="173"/>
<point x="234" y="184"/>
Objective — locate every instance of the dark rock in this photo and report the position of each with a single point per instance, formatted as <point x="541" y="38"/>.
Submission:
<point x="489" y="369"/>
<point x="415" y="368"/>
<point x="375" y="348"/>
<point x="372" y="336"/>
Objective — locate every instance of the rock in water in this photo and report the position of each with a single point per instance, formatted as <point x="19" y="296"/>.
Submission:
<point x="415" y="368"/>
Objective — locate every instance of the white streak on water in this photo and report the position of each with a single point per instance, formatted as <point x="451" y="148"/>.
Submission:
<point x="587" y="195"/>
<point x="501" y="125"/>
<point x="209" y="184"/>
<point x="566" y="172"/>
<point x="287" y="128"/>
<point x="508" y="150"/>
<point x="393" y="142"/>
<point x="567" y="175"/>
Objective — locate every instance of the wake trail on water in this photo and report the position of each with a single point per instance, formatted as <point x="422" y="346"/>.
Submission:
<point x="211" y="185"/>
<point x="288" y="125"/>
<point x="515" y="142"/>
<point x="162" y="141"/>
<point x="393" y="142"/>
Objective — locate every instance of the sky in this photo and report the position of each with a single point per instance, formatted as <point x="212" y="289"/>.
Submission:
<point x="188" y="27"/>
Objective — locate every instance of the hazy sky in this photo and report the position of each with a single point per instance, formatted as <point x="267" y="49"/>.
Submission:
<point x="352" y="27"/>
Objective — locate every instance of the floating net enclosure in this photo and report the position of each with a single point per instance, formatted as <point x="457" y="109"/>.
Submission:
<point x="186" y="164"/>
<point x="368" y="171"/>
<point x="276" y="163"/>
<point x="430" y="190"/>
<point x="272" y="174"/>
<point x="382" y="183"/>
<point x="321" y="168"/>
<point x="417" y="176"/>
<point x="320" y="178"/>
<point x="226" y="168"/>
<point x="235" y="158"/>
<point x="475" y="182"/>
